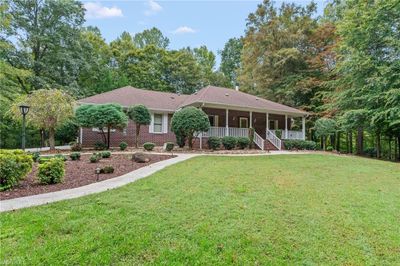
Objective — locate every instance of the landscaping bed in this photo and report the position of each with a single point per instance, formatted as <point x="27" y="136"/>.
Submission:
<point x="79" y="173"/>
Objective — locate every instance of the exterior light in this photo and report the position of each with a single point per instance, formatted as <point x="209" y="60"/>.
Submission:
<point x="24" y="109"/>
<point x="97" y="172"/>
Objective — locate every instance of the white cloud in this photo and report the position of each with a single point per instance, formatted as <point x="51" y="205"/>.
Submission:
<point x="97" y="10"/>
<point x="152" y="8"/>
<point x="183" y="30"/>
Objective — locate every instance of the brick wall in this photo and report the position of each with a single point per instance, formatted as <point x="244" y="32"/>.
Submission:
<point x="90" y="137"/>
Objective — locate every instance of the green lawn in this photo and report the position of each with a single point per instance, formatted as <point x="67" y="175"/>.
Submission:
<point x="303" y="209"/>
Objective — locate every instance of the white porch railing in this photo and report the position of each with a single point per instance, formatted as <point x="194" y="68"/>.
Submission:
<point x="221" y="132"/>
<point x="215" y="132"/>
<point x="273" y="139"/>
<point x="238" y="132"/>
<point x="259" y="141"/>
<point x="291" y="134"/>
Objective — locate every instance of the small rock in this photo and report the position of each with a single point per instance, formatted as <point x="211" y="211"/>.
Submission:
<point x="140" y="157"/>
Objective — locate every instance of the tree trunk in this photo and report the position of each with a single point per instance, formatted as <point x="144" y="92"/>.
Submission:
<point x="190" y="141"/>
<point x="351" y="142"/>
<point x="360" y="140"/>
<point x="108" y="137"/>
<point x="41" y="138"/>
<point x="104" y="136"/>
<point x="338" y="141"/>
<point x="390" y="148"/>
<point x="398" y="148"/>
<point x="378" y="145"/>
<point x="137" y="135"/>
<point x="322" y="143"/>
<point x="52" y="139"/>
<point x="332" y="139"/>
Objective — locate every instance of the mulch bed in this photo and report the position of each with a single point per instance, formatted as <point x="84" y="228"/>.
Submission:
<point x="79" y="173"/>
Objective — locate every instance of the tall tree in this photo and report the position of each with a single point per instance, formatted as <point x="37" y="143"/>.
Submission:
<point x="275" y="52"/>
<point x="368" y="65"/>
<point x="151" y="36"/>
<point x="140" y="115"/>
<point x="47" y="34"/>
<point x="231" y="59"/>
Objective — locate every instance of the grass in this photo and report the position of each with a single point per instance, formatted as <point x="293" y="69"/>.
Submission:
<point x="286" y="209"/>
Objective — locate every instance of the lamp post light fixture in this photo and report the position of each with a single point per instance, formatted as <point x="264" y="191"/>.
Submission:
<point x="97" y="172"/>
<point x="24" y="109"/>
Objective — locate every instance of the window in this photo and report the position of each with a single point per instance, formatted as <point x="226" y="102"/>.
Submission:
<point x="243" y="122"/>
<point x="213" y="120"/>
<point x="273" y="124"/>
<point x="158" y="123"/>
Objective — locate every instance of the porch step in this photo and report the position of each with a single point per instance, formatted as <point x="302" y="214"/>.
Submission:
<point x="268" y="146"/>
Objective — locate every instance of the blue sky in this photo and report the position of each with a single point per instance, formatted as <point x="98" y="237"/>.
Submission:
<point x="185" y="23"/>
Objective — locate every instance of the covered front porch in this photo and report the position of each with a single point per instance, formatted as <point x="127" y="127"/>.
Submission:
<point x="267" y="126"/>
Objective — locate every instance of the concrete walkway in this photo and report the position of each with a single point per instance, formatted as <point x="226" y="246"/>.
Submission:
<point x="40" y="199"/>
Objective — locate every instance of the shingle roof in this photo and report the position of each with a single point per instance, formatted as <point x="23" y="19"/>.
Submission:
<point x="156" y="100"/>
<point x="230" y="97"/>
<point x="128" y="96"/>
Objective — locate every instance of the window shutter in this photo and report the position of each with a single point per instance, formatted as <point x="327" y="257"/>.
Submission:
<point x="151" y="126"/>
<point x="165" y="123"/>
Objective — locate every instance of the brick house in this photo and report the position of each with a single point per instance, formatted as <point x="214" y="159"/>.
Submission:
<point x="231" y="113"/>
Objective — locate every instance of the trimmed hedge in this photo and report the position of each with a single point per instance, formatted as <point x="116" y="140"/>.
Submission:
<point x="214" y="143"/>
<point x="75" y="156"/>
<point x="149" y="146"/>
<point x="51" y="172"/>
<point x="243" y="142"/>
<point x="123" y="145"/>
<point x="296" y="144"/>
<point x="100" y="146"/>
<point x="107" y="170"/>
<point x="95" y="157"/>
<point x="229" y="142"/>
<point x="14" y="166"/>
<point x="105" y="154"/>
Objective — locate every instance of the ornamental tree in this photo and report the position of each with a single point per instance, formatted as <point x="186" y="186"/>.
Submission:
<point x="141" y="116"/>
<point x="104" y="117"/>
<point x="188" y="123"/>
<point x="48" y="110"/>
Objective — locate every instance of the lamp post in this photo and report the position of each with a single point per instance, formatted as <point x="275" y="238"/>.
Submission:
<point x="24" y="109"/>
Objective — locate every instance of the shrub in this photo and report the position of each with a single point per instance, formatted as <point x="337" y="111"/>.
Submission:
<point x="229" y="142"/>
<point x="75" y="156"/>
<point x="214" y="143"/>
<point x="107" y="170"/>
<point x="105" y="154"/>
<point x="75" y="146"/>
<point x="44" y="159"/>
<point x="14" y="166"/>
<point x="169" y="146"/>
<point x="149" y="146"/>
<point x="188" y="123"/>
<point x="99" y="146"/>
<point x="243" y="142"/>
<point x="278" y="133"/>
<point x="35" y="156"/>
<point x="95" y="157"/>
<point x="51" y="172"/>
<point x="296" y="144"/>
<point x="329" y="148"/>
<point x="123" y="145"/>
<point x="371" y="152"/>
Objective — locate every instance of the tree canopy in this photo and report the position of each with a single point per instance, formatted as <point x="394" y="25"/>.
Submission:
<point x="140" y="115"/>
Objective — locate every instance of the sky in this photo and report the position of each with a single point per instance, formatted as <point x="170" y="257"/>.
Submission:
<point x="185" y="23"/>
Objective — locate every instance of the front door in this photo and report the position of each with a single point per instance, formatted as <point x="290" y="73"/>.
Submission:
<point x="243" y="122"/>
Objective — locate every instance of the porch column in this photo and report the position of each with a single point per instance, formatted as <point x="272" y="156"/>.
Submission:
<point x="80" y="135"/>
<point x="251" y="120"/>
<point x="226" y="122"/>
<point x="286" y="131"/>
<point x="267" y="121"/>
<point x="303" y="127"/>
<point x="201" y="135"/>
